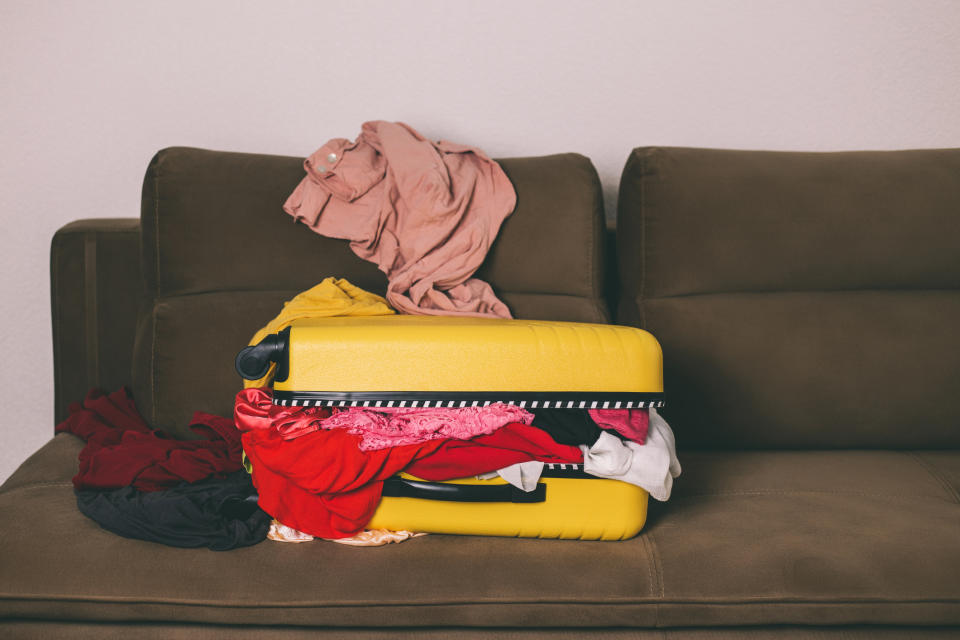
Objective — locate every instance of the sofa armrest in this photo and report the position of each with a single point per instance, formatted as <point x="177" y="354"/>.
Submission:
<point x="95" y="289"/>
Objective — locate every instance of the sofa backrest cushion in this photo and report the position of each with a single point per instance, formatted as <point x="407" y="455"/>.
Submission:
<point x="220" y="257"/>
<point x="801" y="299"/>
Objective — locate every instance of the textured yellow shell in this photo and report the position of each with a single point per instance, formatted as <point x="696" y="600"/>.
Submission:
<point x="442" y="353"/>
<point x="579" y="509"/>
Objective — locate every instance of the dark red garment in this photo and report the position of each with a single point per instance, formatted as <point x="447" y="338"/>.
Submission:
<point x="123" y="451"/>
<point x="510" y="444"/>
<point x="322" y="483"/>
<point x="254" y="409"/>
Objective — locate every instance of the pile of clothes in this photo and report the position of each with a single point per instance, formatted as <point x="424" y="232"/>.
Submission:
<point x="426" y="213"/>
<point x="320" y="471"/>
<point x="140" y="483"/>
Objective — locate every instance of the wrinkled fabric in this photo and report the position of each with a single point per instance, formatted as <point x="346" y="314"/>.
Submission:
<point x="652" y="465"/>
<point x="123" y="451"/>
<point x="254" y="409"/>
<point x="280" y="532"/>
<point x="523" y="475"/>
<point x="425" y="212"/>
<point x="214" y="513"/>
<point x="332" y="297"/>
<point x="378" y="429"/>
<point x="377" y="537"/>
<point x="322" y="483"/>
<point x="630" y="423"/>
<point x="511" y="444"/>
<point x="391" y="427"/>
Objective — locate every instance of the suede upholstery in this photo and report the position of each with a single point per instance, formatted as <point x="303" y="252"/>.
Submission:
<point x="820" y="496"/>
<point x="96" y="287"/>
<point x="804" y="299"/>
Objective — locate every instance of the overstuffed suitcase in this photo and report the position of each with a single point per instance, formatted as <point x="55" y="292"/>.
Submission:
<point x="443" y="361"/>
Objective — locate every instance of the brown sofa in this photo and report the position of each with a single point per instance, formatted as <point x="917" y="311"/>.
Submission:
<point x="807" y="304"/>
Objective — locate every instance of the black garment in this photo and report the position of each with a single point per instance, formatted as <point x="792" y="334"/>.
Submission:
<point x="219" y="514"/>
<point x="569" y="426"/>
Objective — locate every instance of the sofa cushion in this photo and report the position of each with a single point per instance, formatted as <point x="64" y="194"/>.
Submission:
<point x="220" y="256"/>
<point x="801" y="299"/>
<point x="750" y="538"/>
<point x="213" y="221"/>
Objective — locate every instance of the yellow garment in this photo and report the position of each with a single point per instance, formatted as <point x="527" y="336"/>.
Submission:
<point x="332" y="297"/>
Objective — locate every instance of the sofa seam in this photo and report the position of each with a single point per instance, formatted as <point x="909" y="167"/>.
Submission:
<point x="657" y="563"/>
<point x="936" y="474"/>
<point x="57" y="329"/>
<point x="646" y="546"/>
<point x="91" y="319"/>
<point x="154" y="386"/>
<point x="153" y="342"/>
<point x="800" y="492"/>
<point x="658" y="570"/>
<point x="175" y="296"/>
<point x="763" y="292"/>
<point x="326" y="604"/>
<point x="99" y="230"/>
<point x="643" y="240"/>
<point x="589" y="275"/>
<point x="36" y="485"/>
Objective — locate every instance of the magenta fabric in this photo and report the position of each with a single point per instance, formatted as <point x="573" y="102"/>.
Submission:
<point x="392" y="427"/>
<point x="512" y="443"/>
<point x="378" y="429"/>
<point x="425" y="212"/>
<point x="632" y="424"/>
<point x="253" y="409"/>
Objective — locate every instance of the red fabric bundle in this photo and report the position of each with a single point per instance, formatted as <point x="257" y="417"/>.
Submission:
<point x="123" y="451"/>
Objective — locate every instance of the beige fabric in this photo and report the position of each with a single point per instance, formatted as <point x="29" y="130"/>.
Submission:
<point x="280" y="532"/>
<point x="377" y="537"/>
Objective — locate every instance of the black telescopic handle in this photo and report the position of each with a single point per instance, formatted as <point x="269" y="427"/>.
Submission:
<point x="402" y="488"/>
<point x="253" y="362"/>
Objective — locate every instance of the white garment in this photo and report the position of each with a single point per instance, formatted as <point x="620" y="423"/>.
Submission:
<point x="652" y="465"/>
<point x="522" y="475"/>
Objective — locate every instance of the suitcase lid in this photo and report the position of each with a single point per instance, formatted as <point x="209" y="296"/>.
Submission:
<point x="426" y="361"/>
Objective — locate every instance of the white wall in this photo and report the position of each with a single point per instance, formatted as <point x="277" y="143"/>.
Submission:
<point x="90" y="90"/>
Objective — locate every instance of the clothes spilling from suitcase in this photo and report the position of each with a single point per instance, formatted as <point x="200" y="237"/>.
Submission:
<point x="366" y="420"/>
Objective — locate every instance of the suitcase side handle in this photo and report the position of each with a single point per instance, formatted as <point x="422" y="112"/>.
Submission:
<point x="253" y="362"/>
<point x="403" y="488"/>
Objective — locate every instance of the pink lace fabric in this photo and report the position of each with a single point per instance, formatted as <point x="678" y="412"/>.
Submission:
<point x="393" y="427"/>
<point x="379" y="428"/>
<point x="630" y="423"/>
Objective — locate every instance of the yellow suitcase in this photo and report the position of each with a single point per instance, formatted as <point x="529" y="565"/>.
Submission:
<point x="442" y="361"/>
